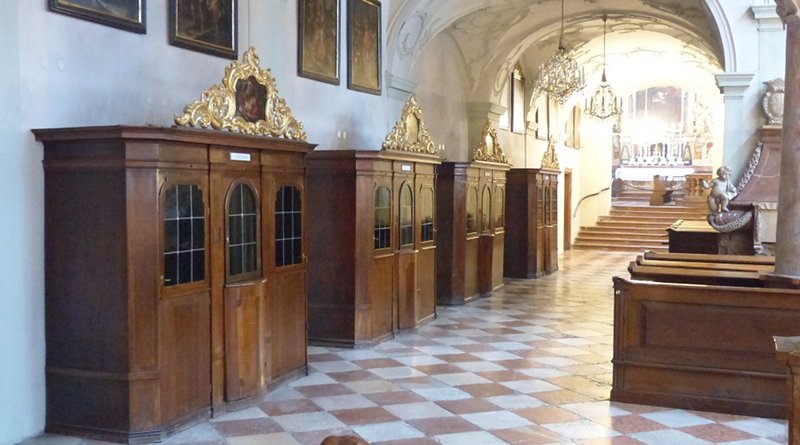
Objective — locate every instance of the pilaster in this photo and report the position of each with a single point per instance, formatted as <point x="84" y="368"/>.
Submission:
<point x="477" y="114"/>
<point x="739" y="123"/>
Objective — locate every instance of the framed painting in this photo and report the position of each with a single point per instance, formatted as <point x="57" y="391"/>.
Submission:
<point x="318" y="40"/>
<point x="124" y="14"/>
<point x="364" y="45"/>
<point x="205" y="26"/>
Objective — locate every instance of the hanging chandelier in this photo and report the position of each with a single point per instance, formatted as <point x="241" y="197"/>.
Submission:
<point x="604" y="104"/>
<point x="560" y="77"/>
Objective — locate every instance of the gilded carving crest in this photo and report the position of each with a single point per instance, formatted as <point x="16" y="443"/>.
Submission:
<point x="246" y="102"/>
<point x="787" y="10"/>
<point x="410" y="133"/>
<point x="772" y="102"/>
<point x="488" y="148"/>
<point x="549" y="159"/>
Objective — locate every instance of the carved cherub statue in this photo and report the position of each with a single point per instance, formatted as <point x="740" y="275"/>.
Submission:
<point x="722" y="190"/>
<point x="787" y="10"/>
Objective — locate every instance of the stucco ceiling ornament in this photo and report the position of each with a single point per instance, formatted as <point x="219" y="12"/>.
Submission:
<point x="410" y="132"/>
<point x="772" y="101"/>
<point x="246" y="102"/>
<point x="488" y="148"/>
<point x="788" y="11"/>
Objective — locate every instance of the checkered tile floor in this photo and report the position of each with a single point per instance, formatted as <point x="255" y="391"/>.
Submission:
<point x="528" y="365"/>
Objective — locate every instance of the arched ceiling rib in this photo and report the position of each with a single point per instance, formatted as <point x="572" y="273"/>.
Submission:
<point x="492" y="35"/>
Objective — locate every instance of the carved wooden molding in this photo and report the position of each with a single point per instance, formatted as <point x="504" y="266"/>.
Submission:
<point x="410" y="132"/>
<point x="246" y="102"/>
<point x="489" y="149"/>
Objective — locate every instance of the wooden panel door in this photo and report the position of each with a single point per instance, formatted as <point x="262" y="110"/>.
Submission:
<point x="406" y="257"/>
<point x="380" y="312"/>
<point x="486" y="242"/>
<point x="237" y="280"/>
<point x="471" y="288"/>
<point x="286" y="270"/>
<point x="184" y="330"/>
<point x="498" y="221"/>
<point x="426" y="251"/>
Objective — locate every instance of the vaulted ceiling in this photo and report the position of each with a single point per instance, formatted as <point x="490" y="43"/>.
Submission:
<point x="493" y="35"/>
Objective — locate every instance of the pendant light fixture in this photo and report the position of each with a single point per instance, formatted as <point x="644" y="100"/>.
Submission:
<point x="604" y="104"/>
<point x="560" y="77"/>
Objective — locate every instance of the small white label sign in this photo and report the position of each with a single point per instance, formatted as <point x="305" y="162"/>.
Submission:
<point x="240" y="157"/>
<point x="405" y="168"/>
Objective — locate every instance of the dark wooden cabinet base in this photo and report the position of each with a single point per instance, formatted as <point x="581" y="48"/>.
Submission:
<point x="370" y="269"/>
<point x="149" y="328"/>
<point x="470" y="207"/>
<point x="702" y="347"/>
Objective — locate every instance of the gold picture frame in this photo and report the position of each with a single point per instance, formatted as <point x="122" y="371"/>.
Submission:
<point x="364" y="46"/>
<point x="246" y="102"/>
<point x="318" y="40"/>
<point x="208" y="27"/>
<point x="129" y="15"/>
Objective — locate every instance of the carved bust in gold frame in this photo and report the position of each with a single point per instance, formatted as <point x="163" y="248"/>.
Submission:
<point x="488" y="148"/>
<point x="247" y="102"/>
<point x="410" y="133"/>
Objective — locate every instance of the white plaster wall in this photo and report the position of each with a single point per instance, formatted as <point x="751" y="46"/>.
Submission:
<point x="596" y="155"/>
<point x="441" y="93"/>
<point x="21" y="264"/>
<point x="61" y="71"/>
<point x="742" y="109"/>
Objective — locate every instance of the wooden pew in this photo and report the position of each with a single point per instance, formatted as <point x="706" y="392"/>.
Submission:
<point x="761" y="268"/>
<point x="695" y="276"/>
<point x="738" y="259"/>
<point x="703" y="347"/>
<point x="747" y="267"/>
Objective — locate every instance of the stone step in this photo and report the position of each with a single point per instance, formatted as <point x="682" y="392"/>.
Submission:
<point x="618" y="247"/>
<point x="620" y="240"/>
<point x="667" y="208"/>
<point x="627" y="224"/>
<point x="623" y="231"/>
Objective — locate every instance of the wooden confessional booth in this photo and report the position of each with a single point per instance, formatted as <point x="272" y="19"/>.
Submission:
<point x="174" y="263"/>
<point x="470" y="207"/>
<point x="371" y="237"/>
<point x="531" y="249"/>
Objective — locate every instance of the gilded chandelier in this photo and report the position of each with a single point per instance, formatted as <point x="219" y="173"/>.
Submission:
<point x="560" y="77"/>
<point x="604" y="104"/>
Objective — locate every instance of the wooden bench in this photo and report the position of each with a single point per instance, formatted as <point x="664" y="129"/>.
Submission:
<point x="703" y="347"/>
<point x="745" y="267"/>
<point x="703" y="257"/>
<point x="788" y="352"/>
<point x="708" y="275"/>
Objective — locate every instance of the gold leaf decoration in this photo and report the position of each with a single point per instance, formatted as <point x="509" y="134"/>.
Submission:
<point x="550" y="160"/>
<point x="410" y="132"/>
<point x="488" y="148"/>
<point x="246" y="102"/>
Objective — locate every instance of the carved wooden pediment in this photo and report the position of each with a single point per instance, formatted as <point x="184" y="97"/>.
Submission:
<point x="488" y="148"/>
<point x="246" y="102"/>
<point x="410" y="132"/>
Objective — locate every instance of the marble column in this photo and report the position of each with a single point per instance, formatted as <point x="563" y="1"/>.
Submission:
<point x="787" y="251"/>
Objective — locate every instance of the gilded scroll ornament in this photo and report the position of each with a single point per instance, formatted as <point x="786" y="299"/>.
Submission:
<point x="549" y="159"/>
<point x="246" y="102"/>
<point x="488" y="148"/>
<point x="410" y="133"/>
